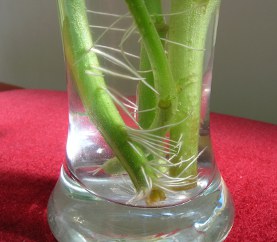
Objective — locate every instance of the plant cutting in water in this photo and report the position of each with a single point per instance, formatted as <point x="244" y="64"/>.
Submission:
<point x="160" y="153"/>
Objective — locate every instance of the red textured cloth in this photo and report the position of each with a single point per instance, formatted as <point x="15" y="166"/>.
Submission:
<point x="33" y="129"/>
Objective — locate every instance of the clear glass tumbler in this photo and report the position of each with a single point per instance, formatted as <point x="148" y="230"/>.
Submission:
<point x="139" y="162"/>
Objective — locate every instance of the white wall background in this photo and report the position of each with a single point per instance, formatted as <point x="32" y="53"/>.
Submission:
<point x="245" y="73"/>
<point x="30" y="45"/>
<point x="245" y="70"/>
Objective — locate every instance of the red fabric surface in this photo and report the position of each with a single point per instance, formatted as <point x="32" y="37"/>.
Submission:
<point x="33" y="129"/>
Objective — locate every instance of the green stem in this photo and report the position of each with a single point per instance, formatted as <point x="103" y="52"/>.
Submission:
<point x="92" y="91"/>
<point x="147" y="99"/>
<point x="163" y="80"/>
<point x="190" y="29"/>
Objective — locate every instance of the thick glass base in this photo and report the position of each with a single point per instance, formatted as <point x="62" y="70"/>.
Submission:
<point x="74" y="214"/>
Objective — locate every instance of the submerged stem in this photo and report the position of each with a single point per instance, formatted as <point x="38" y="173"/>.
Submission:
<point x="189" y="29"/>
<point x="146" y="98"/>
<point x="163" y="79"/>
<point x="93" y="92"/>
